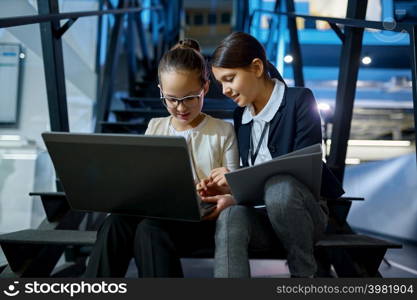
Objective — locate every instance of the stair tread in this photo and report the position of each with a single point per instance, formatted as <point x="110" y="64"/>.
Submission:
<point x="75" y="237"/>
<point x="354" y="240"/>
<point x="138" y="99"/>
<point x="133" y="110"/>
<point x="123" y="114"/>
<point x="123" y="123"/>
<point x="54" y="194"/>
<point x="56" y="237"/>
<point x="350" y="199"/>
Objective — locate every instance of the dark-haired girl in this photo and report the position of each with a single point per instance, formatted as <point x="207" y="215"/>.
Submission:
<point x="183" y="82"/>
<point x="271" y="120"/>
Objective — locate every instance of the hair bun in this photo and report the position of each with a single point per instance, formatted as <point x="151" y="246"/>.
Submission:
<point x="187" y="44"/>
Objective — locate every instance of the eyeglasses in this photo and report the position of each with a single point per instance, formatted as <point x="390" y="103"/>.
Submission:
<point x="188" y="101"/>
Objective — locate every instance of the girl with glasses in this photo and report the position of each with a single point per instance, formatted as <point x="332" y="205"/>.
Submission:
<point x="271" y="120"/>
<point x="157" y="245"/>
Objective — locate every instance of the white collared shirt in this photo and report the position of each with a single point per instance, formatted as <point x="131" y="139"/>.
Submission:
<point x="263" y="118"/>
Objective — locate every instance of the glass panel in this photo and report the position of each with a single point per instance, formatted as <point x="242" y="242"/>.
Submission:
<point x="21" y="144"/>
<point x="24" y="164"/>
<point x="80" y="46"/>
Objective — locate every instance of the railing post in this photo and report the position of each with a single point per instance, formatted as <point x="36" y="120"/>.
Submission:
<point x="346" y="88"/>
<point x="53" y="63"/>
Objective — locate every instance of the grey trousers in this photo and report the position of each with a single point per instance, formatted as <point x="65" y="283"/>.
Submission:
<point x="293" y="220"/>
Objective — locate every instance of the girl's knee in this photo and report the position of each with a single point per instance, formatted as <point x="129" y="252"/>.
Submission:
<point x="281" y="183"/>
<point x="231" y="215"/>
<point x="283" y="192"/>
<point x="232" y="222"/>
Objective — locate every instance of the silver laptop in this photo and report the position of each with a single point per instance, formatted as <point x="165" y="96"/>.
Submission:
<point x="148" y="176"/>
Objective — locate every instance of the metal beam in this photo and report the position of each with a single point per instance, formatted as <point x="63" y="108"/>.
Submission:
<point x="413" y="56"/>
<point x="98" y="68"/>
<point x="108" y="4"/>
<point x="337" y="30"/>
<point x="273" y="32"/>
<point x="155" y="36"/>
<point x="354" y="22"/>
<point x="65" y="27"/>
<point x="54" y="67"/>
<point x="26" y="20"/>
<point x="346" y="88"/>
<point x="175" y="10"/>
<point x="142" y="41"/>
<point x="104" y="102"/>
<point x="351" y="22"/>
<point x="130" y="43"/>
<point x="295" y="49"/>
<point x="241" y="7"/>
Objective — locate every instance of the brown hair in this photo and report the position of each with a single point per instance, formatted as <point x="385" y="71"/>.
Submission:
<point x="184" y="56"/>
<point x="238" y="50"/>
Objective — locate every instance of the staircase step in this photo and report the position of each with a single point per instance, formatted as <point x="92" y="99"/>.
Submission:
<point x="35" y="252"/>
<point x="209" y="103"/>
<point x="123" y="127"/>
<point x="54" y="203"/>
<point x="132" y="103"/>
<point x="346" y="199"/>
<point x="75" y="237"/>
<point x="50" y="237"/>
<point x="52" y="195"/>
<point x="361" y="257"/>
<point x="126" y="115"/>
<point x="354" y="241"/>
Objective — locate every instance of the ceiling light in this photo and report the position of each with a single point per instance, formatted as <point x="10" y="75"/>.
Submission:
<point x="366" y="60"/>
<point x="288" y="59"/>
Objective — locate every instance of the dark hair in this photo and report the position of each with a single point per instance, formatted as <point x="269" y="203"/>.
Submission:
<point x="184" y="56"/>
<point x="238" y="50"/>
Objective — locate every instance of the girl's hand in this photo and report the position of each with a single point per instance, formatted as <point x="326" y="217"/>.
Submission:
<point x="221" y="201"/>
<point x="202" y="187"/>
<point x="206" y="188"/>
<point x="217" y="176"/>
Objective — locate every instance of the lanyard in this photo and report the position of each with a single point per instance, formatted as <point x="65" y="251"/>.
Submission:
<point x="254" y="155"/>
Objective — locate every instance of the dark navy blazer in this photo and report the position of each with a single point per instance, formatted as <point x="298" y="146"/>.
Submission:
<point x="295" y="125"/>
